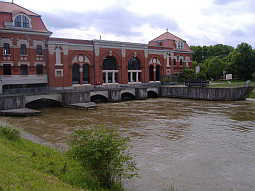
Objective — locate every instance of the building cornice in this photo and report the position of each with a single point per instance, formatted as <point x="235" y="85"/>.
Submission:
<point x="26" y="32"/>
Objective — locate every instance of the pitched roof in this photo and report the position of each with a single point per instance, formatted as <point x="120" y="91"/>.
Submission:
<point x="166" y="36"/>
<point x="13" y="8"/>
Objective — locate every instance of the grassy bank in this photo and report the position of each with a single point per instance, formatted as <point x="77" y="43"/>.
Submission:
<point x="252" y="95"/>
<point x="28" y="166"/>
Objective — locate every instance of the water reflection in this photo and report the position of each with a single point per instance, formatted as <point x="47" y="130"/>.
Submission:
<point x="198" y="145"/>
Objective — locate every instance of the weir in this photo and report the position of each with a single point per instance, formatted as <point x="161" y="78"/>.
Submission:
<point x="116" y="94"/>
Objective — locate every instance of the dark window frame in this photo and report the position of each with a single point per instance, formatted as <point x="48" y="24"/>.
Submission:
<point x="7" y="49"/>
<point x="25" y="21"/>
<point x="7" y="69"/>
<point x="17" y="22"/>
<point x="174" y="62"/>
<point x="39" y="50"/>
<point x="23" y="69"/>
<point x="39" y="69"/>
<point x="23" y="49"/>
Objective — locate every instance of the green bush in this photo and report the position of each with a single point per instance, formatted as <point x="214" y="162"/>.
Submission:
<point x="104" y="155"/>
<point x="9" y="133"/>
<point x="253" y="76"/>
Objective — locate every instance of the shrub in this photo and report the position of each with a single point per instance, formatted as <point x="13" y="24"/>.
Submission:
<point x="9" y="133"/>
<point x="253" y="76"/>
<point x="104" y="155"/>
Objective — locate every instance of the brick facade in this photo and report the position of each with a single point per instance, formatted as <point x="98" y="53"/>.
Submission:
<point x="67" y="62"/>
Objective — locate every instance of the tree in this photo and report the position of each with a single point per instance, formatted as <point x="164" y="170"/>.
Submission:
<point x="243" y="61"/>
<point x="104" y="155"/>
<point x="188" y="73"/>
<point x="215" y="67"/>
<point x="197" y="53"/>
<point x="200" y="54"/>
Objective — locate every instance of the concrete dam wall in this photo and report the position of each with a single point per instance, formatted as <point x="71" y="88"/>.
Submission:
<point x="200" y="93"/>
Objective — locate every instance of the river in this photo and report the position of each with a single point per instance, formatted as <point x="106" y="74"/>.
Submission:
<point x="195" y="145"/>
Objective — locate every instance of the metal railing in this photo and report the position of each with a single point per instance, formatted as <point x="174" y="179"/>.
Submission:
<point x="77" y="88"/>
<point x="211" y="84"/>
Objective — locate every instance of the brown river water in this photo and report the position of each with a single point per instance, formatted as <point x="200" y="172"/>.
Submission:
<point x="195" y="145"/>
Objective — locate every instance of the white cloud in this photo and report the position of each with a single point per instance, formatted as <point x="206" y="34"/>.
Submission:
<point x="199" y="22"/>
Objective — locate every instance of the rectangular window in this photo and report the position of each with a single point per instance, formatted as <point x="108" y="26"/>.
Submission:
<point x="6" y="49"/>
<point x="23" y="69"/>
<point x="39" y="69"/>
<point x="23" y="49"/>
<point x="159" y="43"/>
<point x="116" y="77"/>
<point x="7" y="69"/>
<point x="134" y="76"/>
<point x="58" y="56"/>
<point x="59" y="72"/>
<point x="110" y="77"/>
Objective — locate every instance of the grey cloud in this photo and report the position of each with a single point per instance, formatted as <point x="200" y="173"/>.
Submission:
<point x="223" y="2"/>
<point x="117" y="21"/>
<point x="238" y="33"/>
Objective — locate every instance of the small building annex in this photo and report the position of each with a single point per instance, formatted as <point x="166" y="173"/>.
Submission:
<point x="31" y="58"/>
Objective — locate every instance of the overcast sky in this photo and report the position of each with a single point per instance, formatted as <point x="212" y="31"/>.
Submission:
<point x="199" y="22"/>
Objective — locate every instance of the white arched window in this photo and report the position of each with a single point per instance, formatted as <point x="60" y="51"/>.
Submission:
<point x="22" y="21"/>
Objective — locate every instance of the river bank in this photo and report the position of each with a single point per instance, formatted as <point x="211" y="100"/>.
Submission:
<point x="198" y="145"/>
<point x="29" y="166"/>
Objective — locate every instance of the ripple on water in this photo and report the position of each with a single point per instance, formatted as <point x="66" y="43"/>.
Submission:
<point x="198" y="145"/>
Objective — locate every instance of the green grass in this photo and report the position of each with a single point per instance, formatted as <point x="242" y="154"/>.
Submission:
<point x="233" y="83"/>
<point x="252" y="95"/>
<point x="28" y="166"/>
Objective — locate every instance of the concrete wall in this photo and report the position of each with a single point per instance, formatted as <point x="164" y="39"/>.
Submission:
<point x="215" y="94"/>
<point x="141" y="93"/>
<point x="75" y="97"/>
<point x="114" y="95"/>
<point x="12" y="102"/>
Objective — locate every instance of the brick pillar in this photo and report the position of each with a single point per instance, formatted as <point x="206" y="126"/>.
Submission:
<point x="146" y="66"/>
<point x="51" y="70"/>
<point x="67" y="81"/>
<point x="124" y="67"/>
<point x="97" y="71"/>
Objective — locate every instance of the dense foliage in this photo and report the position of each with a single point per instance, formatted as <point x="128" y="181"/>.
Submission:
<point x="104" y="154"/>
<point x="9" y="133"/>
<point x="213" y="60"/>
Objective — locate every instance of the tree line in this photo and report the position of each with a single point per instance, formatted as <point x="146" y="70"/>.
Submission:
<point x="214" y="60"/>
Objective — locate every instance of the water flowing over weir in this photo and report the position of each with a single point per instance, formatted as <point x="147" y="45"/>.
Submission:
<point x="197" y="145"/>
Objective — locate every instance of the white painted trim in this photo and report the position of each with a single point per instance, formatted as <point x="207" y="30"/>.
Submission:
<point x="6" y="40"/>
<point x="25" y="63"/>
<point x="25" y="32"/>
<point x="2" y="63"/>
<point x="23" y="41"/>
<point x="40" y="63"/>
<point x="59" y="70"/>
<point x="38" y="42"/>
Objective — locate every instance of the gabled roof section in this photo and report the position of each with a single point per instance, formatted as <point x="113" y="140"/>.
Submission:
<point x="13" y="8"/>
<point x="168" y="41"/>
<point x="9" y="10"/>
<point x="166" y="36"/>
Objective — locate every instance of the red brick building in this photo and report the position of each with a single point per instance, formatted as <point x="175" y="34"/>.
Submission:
<point x="31" y="58"/>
